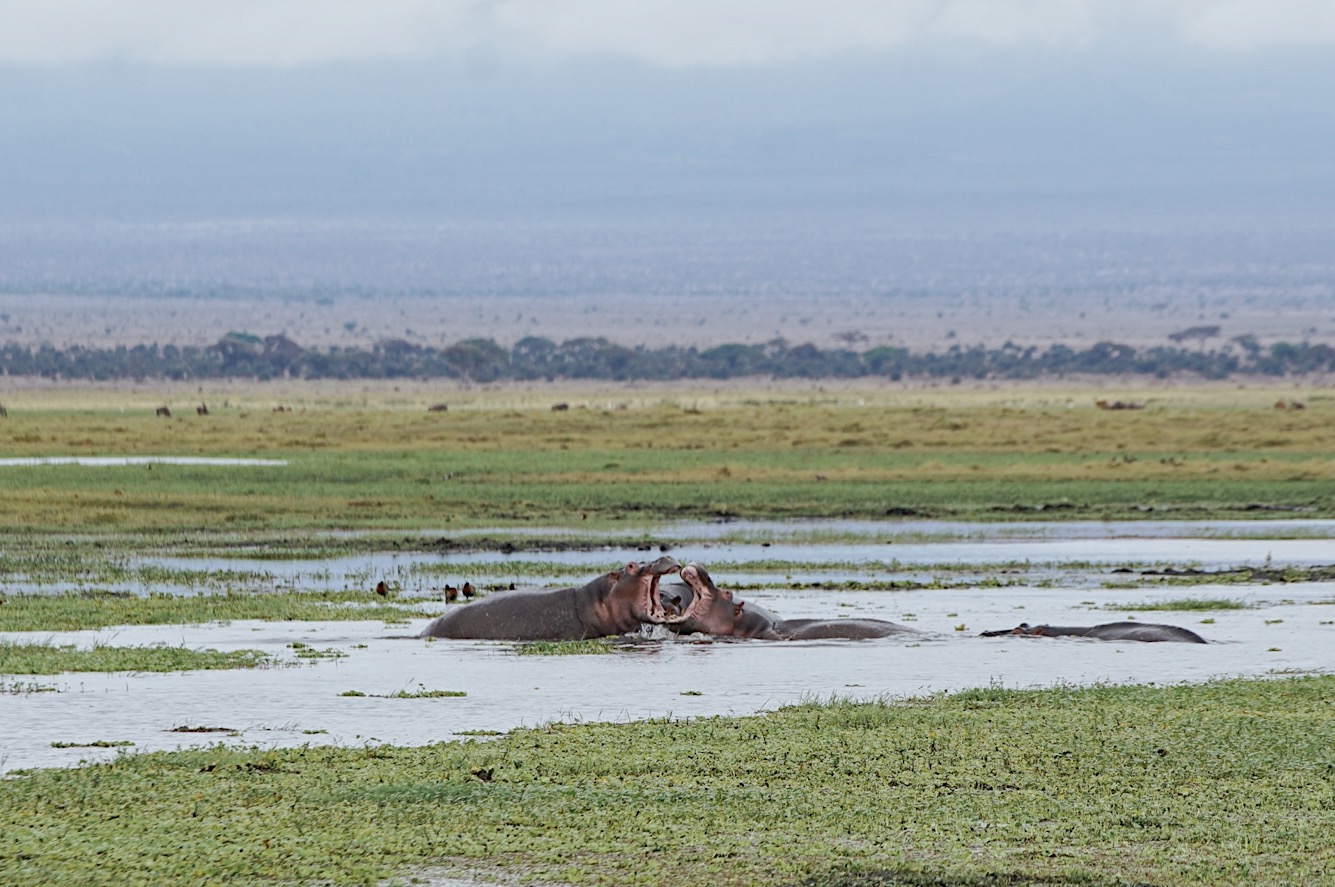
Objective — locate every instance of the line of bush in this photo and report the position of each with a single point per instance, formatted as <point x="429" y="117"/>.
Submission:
<point x="241" y="355"/>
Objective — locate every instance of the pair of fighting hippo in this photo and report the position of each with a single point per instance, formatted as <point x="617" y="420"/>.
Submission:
<point x="620" y="601"/>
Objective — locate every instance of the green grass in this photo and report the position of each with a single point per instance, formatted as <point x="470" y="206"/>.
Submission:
<point x="361" y="468"/>
<point x="32" y="659"/>
<point x="88" y="567"/>
<point x="71" y="612"/>
<point x="565" y="648"/>
<point x="1242" y="575"/>
<point x="25" y="688"/>
<point x="1224" y="783"/>
<point x="306" y="652"/>
<point x="1187" y="604"/>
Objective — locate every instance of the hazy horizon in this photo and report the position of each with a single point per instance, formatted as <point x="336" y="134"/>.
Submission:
<point x="578" y="148"/>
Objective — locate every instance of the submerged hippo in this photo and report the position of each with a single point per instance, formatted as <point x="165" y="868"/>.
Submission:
<point x="614" y="603"/>
<point x="1109" y="631"/>
<point x="699" y="605"/>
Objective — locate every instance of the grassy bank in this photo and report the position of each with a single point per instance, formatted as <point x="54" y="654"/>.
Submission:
<point x="1224" y="783"/>
<point x="505" y="459"/>
<point x="34" y="659"/>
<point x="72" y="612"/>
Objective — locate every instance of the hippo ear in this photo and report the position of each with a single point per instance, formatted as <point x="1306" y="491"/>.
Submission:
<point x="632" y="568"/>
<point x="737" y="609"/>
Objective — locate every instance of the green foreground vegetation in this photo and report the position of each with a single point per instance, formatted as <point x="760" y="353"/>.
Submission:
<point x="502" y="460"/>
<point x="1224" y="783"/>
<point x="74" y="612"/>
<point x="32" y="659"/>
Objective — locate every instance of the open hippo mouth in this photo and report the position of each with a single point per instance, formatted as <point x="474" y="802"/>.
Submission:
<point x="703" y="592"/>
<point x="650" y="575"/>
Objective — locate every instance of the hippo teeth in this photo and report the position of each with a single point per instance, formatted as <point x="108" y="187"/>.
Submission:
<point x="654" y="604"/>
<point x="665" y="565"/>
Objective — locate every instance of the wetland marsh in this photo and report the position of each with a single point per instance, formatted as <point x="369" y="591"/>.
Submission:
<point x="969" y="578"/>
<point x="937" y="511"/>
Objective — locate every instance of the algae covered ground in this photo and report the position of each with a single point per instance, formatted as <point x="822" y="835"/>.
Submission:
<point x="1221" y="783"/>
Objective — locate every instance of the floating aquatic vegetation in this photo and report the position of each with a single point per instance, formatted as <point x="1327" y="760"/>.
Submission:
<point x="32" y="659"/>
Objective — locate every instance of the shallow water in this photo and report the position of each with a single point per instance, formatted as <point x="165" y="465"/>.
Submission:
<point x="121" y="461"/>
<point x="1284" y="629"/>
<point x="871" y="550"/>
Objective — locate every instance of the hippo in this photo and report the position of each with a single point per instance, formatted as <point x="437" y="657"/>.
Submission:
<point x="699" y="605"/>
<point x="1109" y="631"/>
<point x="614" y="603"/>
<point x="849" y="629"/>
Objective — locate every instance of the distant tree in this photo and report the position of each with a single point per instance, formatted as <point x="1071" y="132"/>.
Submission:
<point x="729" y="361"/>
<point x="479" y="360"/>
<point x="532" y="358"/>
<point x="239" y="349"/>
<point x="1200" y="333"/>
<point x="241" y="355"/>
<point x="887" y="361"/>
<point x="1248" y="343"/>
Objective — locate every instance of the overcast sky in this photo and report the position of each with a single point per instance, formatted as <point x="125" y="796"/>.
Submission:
<point x="175" y="109"/>
<point x="671" y="33"/>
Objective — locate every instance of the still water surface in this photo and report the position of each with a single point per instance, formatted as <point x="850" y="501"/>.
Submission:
<point x="1288" y="628"/>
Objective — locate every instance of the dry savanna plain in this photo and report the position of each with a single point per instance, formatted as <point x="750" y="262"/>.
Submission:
<point x="1225" y="782"/>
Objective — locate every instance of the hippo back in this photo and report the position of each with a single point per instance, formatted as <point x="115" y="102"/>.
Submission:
<point x="536" y="614"/>
<point x="1139" y="631"/>
<point x="849" y="629"/>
